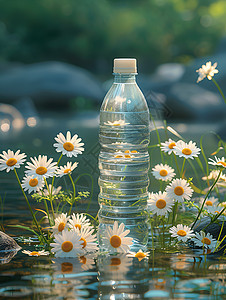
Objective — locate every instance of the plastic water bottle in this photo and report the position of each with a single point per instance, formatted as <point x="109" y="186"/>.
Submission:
<point x="124" y="159"/>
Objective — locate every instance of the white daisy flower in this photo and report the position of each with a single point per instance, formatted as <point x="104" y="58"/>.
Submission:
<point x="179" y="189"/>
<point x="79" y="221"/>
<point x="213" y="210"/>
<point x="35" y="253"/>
<point x="186" y="150"/>
<point x="219" y="162"/>
<point x="10" y="161"/>
<point x="68" y="145"/>
<point x="168" y="146"/>
<point x="208" y="70"/>
<point x="204" y="240"/>
<point x="139" y="255"/>
<point x="181" y="232"/>
<point x="210" y="201"/>
<point x="55" y="191"/>
<point x="116" y="240"/>
<point x="213" y="175"/>
<point x="67" y="169"/>
<point x="160" y="203"/>
<point x="61" y="223"/>
<point x="163" y="172"/>
<point x="32" y="184"/>
<point x="41" y="167"/>
<point x="67" y="244"/>
<point x="88" y="239"/>
<point x="116" y="123"/>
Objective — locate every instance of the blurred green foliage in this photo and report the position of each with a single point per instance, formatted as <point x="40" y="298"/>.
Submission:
<point x="90" y="33"/>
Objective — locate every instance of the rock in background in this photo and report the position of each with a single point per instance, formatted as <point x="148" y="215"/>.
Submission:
<point x="48" y="82"/>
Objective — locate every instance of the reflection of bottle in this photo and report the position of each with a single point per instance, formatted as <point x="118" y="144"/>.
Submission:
<point x="124" y="159"/>
<point x="122" y="277"/>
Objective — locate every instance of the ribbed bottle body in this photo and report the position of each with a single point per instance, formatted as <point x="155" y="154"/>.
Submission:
<point x="124" y="160"/>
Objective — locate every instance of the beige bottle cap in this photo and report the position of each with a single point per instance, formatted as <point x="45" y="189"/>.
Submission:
<point x="125" y="65"/>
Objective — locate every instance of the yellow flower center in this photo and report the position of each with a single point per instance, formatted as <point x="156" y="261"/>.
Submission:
<point x="78" y="226"/>
<point x="172" y="145"/>
<point x="67" y="246"/>
<point x="116" y="124"/>
<point x="115" y="241"/>
<point x="118" y="156"/>
<point x="134" y="151"/>
<point x="41" y="170"/>
<point x="127" y="151"/>
<point x="181" y="233"/>
<point x="67" y="171"/>
<point x="66" y="267"/>
<point x="187" y="151"/>
<point x="127" y="156"/>
<point x="68" y="146"/>
<point x="61" y="226"/>
<point x="35" y="253"/>
<point x="163" y="173"/>
<point x="206" y="241"/>
<point x="82" y="259"/>
<point x="178" y="190"/>
<point x="115" y="261"/>
<point x="33" y="182"/>
<point x="11" y="162"/>
<point x="223" y="163"/>
<point x="209" y="203"/>
<point x="84" y="242"/>
<point x="140" y="255"/>
<point x="161" y="203"/>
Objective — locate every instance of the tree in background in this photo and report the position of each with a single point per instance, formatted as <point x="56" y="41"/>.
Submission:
<point x="90" y="33"/>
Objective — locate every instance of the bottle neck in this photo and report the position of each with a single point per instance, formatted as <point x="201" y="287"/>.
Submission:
<point x="124" y="78"/>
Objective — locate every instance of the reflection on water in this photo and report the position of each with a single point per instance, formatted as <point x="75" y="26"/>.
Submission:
<point x="164" y="276"/>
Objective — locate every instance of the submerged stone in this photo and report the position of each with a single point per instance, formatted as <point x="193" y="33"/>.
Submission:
<point x="7" y="243"/>
<point x="6" y="256"/>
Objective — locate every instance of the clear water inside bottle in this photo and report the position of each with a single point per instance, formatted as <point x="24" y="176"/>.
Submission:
<point x="124" y="161"/>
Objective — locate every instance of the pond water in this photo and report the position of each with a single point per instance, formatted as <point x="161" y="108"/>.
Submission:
<point x="186" y="274"/>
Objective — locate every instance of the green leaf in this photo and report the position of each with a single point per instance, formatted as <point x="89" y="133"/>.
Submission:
<point x="24" y="227"/>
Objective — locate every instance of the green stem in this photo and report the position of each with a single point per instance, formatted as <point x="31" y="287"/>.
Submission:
<point x="91" y="194"/>
<point x="174" y="213"/>
<point x="219" y="89"/>
<point x="152" y="236"/>
<point x="55" y="176"/>
<point x="73" y="185"/>
<point x="175" y="158"/>
<point x="51" y="192"/>
<point x="47" y="209"/>
<point x="210" y="190"/>
<point x="163" y="232"/>
<point x="29" y="206"/>
<point x="182" y="169"/>
<point x="158" y="137"/>
<point x="50" y="198"/>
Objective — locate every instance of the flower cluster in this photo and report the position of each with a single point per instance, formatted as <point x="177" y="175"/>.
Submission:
<point x="40" y="168"/>
<point x="178" y="191"/>
<point x="73" y="236"/>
